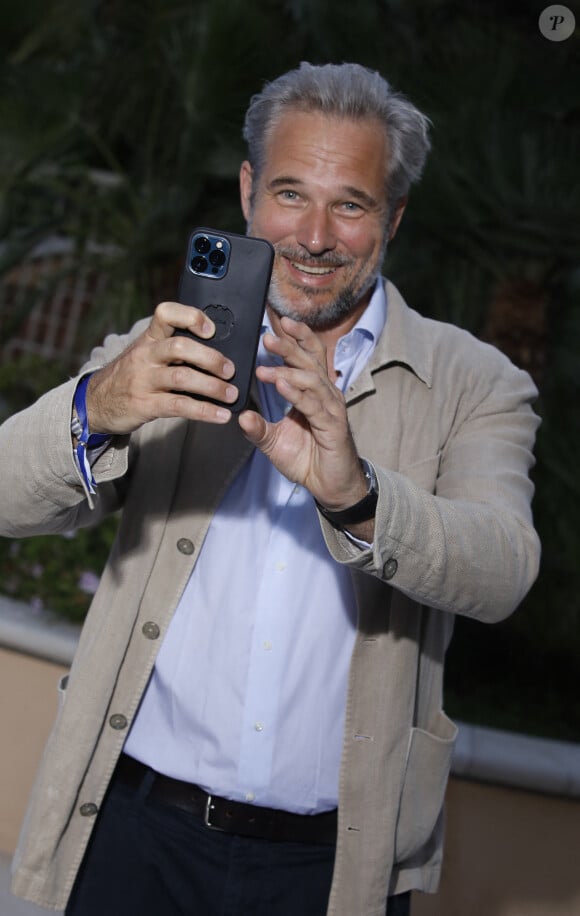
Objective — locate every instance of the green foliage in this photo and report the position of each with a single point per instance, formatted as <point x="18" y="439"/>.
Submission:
<point x="22" y="382"/>
<point x="501" y="677"/>
<point x="56" y="572"/>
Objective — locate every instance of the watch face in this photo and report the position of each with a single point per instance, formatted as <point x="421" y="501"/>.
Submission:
<point x="370" y="475"/>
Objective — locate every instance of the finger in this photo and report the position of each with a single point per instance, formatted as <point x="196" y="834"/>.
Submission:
<point x="321" y="405"/>
<point x="296" y="381"/>
<point x="296" y="344"/>
<point x="311" y="403"/>
<point x="171" y="315"/>
<point x="304" y="336"/>
<point x="179" y="350"/>
<point x="192" y="381"/>
<point x="254" y="427"/>
<point x="294" y="354"/>
<point x="182" y="405"/>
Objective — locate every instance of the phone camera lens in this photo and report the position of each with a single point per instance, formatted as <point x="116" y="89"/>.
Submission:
<point x="199" y="265"/>
<point x="202" y="244"/>
<point x="217" y="258"/>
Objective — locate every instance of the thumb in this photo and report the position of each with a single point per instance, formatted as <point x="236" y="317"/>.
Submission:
<point x="254" y="427"/>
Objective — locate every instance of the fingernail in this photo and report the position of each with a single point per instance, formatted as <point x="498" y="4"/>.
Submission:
<point x="231" y="393"/>
<point x="208" y="327"/>
<point x="228" y="367"/>
<point x="223" y="415"/>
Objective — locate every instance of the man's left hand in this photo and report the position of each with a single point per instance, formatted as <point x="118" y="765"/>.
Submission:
<point x="312" y="445"/>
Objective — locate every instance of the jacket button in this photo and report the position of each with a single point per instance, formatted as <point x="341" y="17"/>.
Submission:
<point x="390" y="568"/>
<point x="184" y="545"/>
<point x="118" y="721"/>
<point x="150" y="630"/>
<point x="88" y="810"/>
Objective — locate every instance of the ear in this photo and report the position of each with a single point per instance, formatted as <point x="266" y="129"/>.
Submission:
<point x="246" y="184"/>
<point x="397" y="217"/>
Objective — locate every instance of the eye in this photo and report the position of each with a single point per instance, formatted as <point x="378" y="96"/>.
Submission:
<point x="288" y="194"/>
<point x="351" y="207"/>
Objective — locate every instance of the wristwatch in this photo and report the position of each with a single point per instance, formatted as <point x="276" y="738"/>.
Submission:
<point x="363" y="510"/>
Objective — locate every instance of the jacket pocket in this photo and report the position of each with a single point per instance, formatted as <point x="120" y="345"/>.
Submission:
<point x="426" y="775"/>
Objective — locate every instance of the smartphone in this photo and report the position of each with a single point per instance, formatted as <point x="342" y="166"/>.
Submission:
<point x="227" y="276"/>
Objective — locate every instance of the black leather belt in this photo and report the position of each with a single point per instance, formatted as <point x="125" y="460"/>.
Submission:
<point x="230" y="816"/>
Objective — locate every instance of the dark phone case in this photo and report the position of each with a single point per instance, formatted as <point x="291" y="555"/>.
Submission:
<point x="235" y="303"/>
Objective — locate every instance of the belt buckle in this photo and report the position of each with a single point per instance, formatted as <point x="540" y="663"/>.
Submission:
<point x="206" y="817"/>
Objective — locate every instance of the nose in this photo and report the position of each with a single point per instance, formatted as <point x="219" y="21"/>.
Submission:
<point x="315" y="232"/>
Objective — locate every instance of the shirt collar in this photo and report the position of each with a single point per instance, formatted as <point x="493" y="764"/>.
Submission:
<point x="400" y="337"/>
<point x="373" y="319"/>
<point x="353" y="349"/>
<point x="407" y="340"/>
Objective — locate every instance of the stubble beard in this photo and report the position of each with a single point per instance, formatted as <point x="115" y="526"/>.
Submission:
<point x="329" y="314"/>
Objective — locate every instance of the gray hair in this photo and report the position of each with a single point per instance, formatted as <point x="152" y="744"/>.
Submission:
<point x="345" y="91"/>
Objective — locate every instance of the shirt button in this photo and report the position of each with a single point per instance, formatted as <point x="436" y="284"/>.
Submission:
<point x="250" y="796"/>
<point x="259" y="726"/>
<point x="267" y="645"/>
<point x="390" y="568"/>
<point x="118" y="722"/>
<point x="184" y="545"/>
<point x="280" y="566"/>
<point x="150" y="630"/>
<point x="88" y="810"/>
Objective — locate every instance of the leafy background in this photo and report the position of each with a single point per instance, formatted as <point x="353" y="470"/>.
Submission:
<point x="121" y="129"/>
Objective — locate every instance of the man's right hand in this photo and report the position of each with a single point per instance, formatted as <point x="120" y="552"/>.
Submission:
<point x="146" y="380"/>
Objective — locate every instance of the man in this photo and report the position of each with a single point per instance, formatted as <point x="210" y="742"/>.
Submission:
<point x="268" y="638"/>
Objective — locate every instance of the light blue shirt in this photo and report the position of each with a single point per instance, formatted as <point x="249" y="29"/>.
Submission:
<point x="247" y="698"/>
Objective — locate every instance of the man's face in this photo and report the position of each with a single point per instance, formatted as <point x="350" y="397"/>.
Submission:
<point x="321" y="201"/>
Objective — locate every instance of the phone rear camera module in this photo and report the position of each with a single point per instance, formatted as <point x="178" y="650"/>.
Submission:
<point x="199" y="265"/>
<point x="209" y="254"/>
<point x="202" y="244"/>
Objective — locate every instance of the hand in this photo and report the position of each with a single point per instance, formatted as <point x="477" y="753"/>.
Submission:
<point x="313" y="444"/>
<point x="145" y="381"/>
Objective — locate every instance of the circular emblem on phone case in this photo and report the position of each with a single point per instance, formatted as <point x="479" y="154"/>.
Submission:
<point x="223" y="319"/>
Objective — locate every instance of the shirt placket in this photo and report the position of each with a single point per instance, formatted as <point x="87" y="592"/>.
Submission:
<point x="270" y="645"/>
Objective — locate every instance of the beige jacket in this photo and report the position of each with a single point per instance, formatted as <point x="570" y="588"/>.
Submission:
<point x="447" y="422"/>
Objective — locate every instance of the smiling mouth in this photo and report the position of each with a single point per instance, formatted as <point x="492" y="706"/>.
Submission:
<point x="312" y="271"/>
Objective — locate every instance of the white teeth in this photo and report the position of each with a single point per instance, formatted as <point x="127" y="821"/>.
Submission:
<point x="312" y="270"/>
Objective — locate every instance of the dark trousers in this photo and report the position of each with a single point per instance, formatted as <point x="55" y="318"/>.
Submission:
<point x="149" y="859"/>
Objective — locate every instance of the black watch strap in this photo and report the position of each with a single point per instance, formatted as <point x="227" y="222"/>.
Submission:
<point x="362" y="511"/>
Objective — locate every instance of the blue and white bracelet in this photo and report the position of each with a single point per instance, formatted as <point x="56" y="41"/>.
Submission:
<point x="79" y="427"/>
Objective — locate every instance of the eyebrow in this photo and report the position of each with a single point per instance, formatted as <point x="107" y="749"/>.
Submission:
<point x="349" y="190"/>
<point x="283" y="180"/>
<point x="362" y="196"/>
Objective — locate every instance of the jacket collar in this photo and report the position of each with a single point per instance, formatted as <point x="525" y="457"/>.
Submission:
<point x="405" y="340"/>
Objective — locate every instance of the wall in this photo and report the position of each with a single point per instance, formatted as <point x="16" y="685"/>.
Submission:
<point x="28" y="687"/>
<point x="507" y="853"/>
